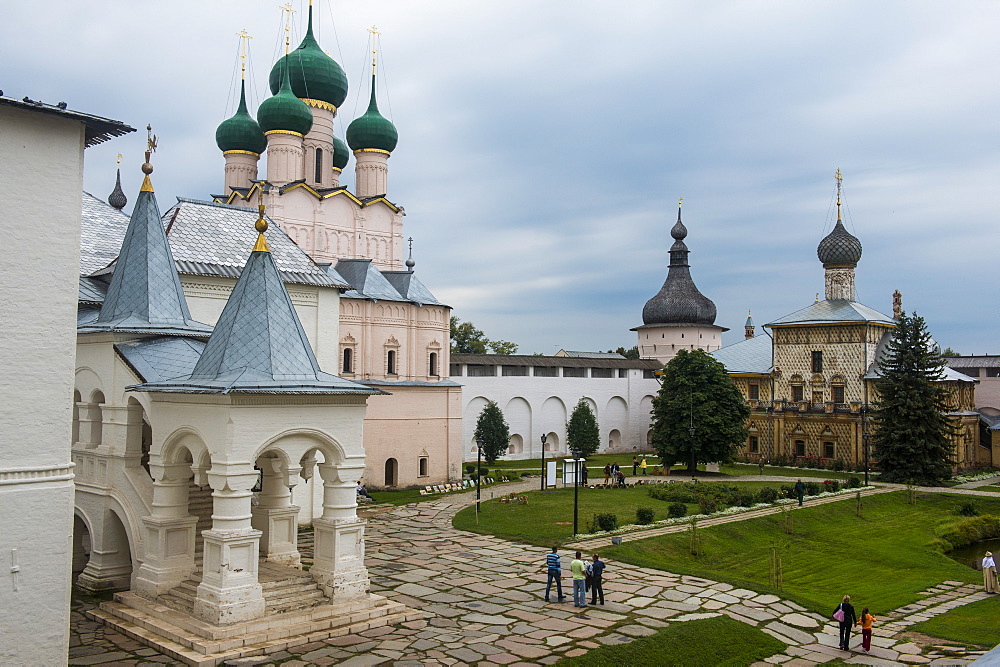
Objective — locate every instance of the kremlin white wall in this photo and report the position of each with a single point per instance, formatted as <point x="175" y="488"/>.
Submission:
<point x="41" y="243"/>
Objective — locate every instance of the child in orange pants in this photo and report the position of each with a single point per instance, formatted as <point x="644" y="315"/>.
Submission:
<point x="866" y="622"/>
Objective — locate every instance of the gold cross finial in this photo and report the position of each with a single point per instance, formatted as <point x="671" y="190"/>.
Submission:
<point x="375" y="33"/>
<point x="680" y="202"/>
<point x="119" y="158"/>
<point x="150" y="141"/>
<point x="244" y="47"/>
<point x="840" y="181"/>
<point x="261" y="225"/>
<point x="287" y="8"/>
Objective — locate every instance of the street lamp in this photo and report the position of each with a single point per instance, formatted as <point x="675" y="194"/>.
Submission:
<point x="694" y="463"/>
<point x="576" y="490"/>
<point x="543" y="461"/>
<point x="479" y="473"/>
<point x="867" y="437"/>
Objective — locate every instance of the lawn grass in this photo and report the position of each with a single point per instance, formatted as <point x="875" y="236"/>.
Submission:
<point x="405" y="496"/>
<point x="709" y="641"/>
<point x="547" y="519"/>
<point x="881" y="559"/>
<point x="972" y="624"/>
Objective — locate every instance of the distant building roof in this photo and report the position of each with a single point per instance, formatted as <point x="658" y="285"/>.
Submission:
<point x="833" y="311"/>
<point x="589" y="355"/>
<point x="751" y="355"/>
<point x="97" y="130"/>
<point x="974" y="361"/>
<point x="556" y="362"/>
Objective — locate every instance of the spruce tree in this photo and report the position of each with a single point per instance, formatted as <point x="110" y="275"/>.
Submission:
<point x="697" y="393"/>
<point x="911" y="437"/>
<point x="582" y="433"/>
<point x="492" y="429"/>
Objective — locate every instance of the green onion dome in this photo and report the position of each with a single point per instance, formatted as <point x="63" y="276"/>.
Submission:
<point x="372" y="130"/>
<point x="313" y="74"/>
<point x="284" y="111"/>
<point x="241" y="132"/>
<point x="341" y="154"/>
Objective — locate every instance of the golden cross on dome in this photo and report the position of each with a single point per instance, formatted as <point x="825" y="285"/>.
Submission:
<point x="375" y="33"/>
<point x="244" y="47"/>
<point x="287" y="8"/>
<point x="119" y="158"/>
<point x="840" y="181"/>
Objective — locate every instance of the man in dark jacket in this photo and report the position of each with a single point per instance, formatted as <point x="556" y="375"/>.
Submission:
<point x="596" y="577"/>
<point x="847" y="622"/>
<point x="800" y="490"/>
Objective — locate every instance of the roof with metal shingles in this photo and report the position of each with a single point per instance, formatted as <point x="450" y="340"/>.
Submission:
<point x="752" y="355"/>
<point x="367" y="281"/>
<point x="410" y="288"/>
<point x="833" y="311"/>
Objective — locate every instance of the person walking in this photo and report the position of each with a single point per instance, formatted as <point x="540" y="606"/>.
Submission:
<point x="635" y="466"/>
<point x="845" y="615"/>
<point x="615" y="468"/>
<point x="760" y="463"/>
<point x="643" y="465"/>
<point x="800" y="491"/>
<point x="596" y="579"/>
<point x="554" y="565"/>
<point x="865" y="622"/>
<point x="578" y="569"/>
<point x="989" y="573"/>
<point x="607" y="474"/>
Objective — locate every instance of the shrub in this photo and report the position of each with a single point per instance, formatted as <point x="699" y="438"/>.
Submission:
<point x="677" y="510"/>
<point x="968" y="531"/>
<point x="484" y="471"/>
<point x="768" y="494"/>
<point x="606" y="522"/>
<point x="526" y="474"/>
<point x="788" y="490"/>
<point x="745" y="499"/>
<point x="831" y="485"/>
<point x="968" y="508"/>
<point x="838" y="465"/>
<point x="708" y="505"/>
<point x="470" y="468"/>
<point x="644" y="515"/>
<point x="853" y="482"/>
<point x="812" y="489"/>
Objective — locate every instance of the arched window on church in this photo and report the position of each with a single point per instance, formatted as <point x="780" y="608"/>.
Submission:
<point x="390" y="363"/>
<point x="432" y="365"/>
<point x="319" y="165"/>
<point x="348" y="360"/>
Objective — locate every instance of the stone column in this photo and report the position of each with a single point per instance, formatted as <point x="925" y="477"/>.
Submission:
<point x="170" y="531"/>
<point x="229" y="591"/>
<point x="339" y="559"/>
<point x="241" y="168"/>
<point x="284" y="157"/>
<point x="371" y="172"/>
<point x="275" y="516"/>
<point x="110" y="565"/>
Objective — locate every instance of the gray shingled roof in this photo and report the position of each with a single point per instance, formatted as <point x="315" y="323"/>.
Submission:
<point x="161" y="359"/>
<point x="207" y="239"/>
<point x="145" y="293"/>
<point x="974" y="361"/>
<point x="833" y="311"/>
<point x="751" y="355"/>
<point x="367" y="281"/>
<point x="258" y="345"/>
<point x="947" y="374"/>
<point x="97" y="130"/>
<point x="410" y="288"/>
<point x="589" y="355"/>
<point x="91" y="291"/>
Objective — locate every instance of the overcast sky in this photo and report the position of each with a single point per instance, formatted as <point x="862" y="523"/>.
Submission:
<point x="543" y="145"/>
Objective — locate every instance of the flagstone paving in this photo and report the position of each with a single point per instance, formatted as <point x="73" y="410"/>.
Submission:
<point x="483" y="603"/>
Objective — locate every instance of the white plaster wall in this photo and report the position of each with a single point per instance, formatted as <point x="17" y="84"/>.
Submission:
<point x="621" y="403"/>
<point x="40" y="236"/>
<point x="663" y="343"/>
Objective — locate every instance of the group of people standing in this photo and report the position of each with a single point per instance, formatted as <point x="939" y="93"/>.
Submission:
<point x="845" y="615"/>
<point x="586" y="575"/>
<point x="613" y="475"/>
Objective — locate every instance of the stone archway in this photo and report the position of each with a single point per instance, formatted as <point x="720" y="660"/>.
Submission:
<point x="391" y="472"/>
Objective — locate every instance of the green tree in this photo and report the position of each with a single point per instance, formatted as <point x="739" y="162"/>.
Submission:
<point x="911" y="438"/>
<point x="582" y="434"/>
<point x="466" y="338"/>
<point x="492" y="429"/>
<point x="697" y="393"/>
<point x="630" y="353"/>
<point x="948" y="352"/>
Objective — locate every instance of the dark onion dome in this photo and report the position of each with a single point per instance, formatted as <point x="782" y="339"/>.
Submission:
<point x="839" y="247"/>
<point x="313" y="74"/>
<point x="341" y="154"/>
<point x="284" y="111"/>
<point x="372" y="131"/>
<point x="679" y="301"/>
<point x="117" y="198"/>
<point x="241" y="132"/>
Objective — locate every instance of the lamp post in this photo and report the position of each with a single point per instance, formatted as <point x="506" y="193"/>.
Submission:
<point x="543" y="461"/>
<point x="866" y="436"/>
<point x="694" y="462"/>
<point x="479" y="473"/>
<point x="576" y="490"/>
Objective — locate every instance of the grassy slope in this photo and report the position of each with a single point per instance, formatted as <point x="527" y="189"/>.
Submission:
<point x="547" y="519"/>
<point x="732" y="643"/>
<point x="974" y="624"/>
<point x="879" y="559"/>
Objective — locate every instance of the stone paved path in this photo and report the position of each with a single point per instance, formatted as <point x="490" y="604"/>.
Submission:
<point x="483" y="599"/>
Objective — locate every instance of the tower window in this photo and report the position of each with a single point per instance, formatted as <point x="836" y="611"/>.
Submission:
<point x="348" y="360"/>
<point x="319" y="165"/>
<point x="422" y="467"/>
<point x="432" y="364"/>
<point x="817" y="364"/>
<point x="390" y="363"/>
